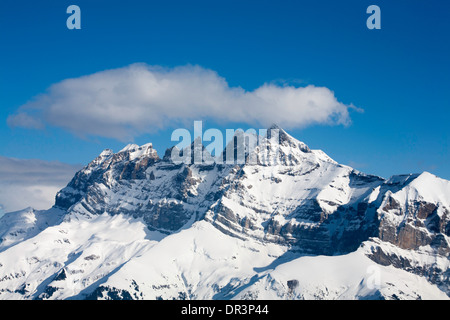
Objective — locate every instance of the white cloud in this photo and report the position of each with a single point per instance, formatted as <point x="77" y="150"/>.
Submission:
<point x="137" y="99"/>
<point x="32" y="183"/>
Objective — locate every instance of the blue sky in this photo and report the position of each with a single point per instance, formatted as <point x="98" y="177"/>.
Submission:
<point x="399" y="75"/>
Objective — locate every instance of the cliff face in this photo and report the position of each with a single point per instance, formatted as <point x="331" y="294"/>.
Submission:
<point x="284" y="195"/>
<point x="414" y="218"/>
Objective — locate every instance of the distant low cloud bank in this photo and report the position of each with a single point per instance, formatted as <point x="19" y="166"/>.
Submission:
<point x="32" y="183"/>
<point x="137" y="99"/>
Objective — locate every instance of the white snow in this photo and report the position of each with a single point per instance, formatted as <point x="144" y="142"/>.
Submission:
<point x="346" y="277"/>
<point x="197" y="263"/>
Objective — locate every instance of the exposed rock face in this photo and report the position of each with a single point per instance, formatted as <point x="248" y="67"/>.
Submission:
<point x="436" y="269"/>
<point x="414" y="217"/>
<point x="137" y="182"/>
<point x="128" y="164"/>
<point x="409" y="220"/>
<point x="290" y="195"/>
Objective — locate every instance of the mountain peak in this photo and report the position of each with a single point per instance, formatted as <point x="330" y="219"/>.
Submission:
<point x="129" y="147"/>
<point x="106" y="153"/>
<point x="136" y="151"/>
<point x="286" y="139"/>
<point x="274" y="126"/>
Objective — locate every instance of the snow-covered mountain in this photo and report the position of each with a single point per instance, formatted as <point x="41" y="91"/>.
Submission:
<point x="298" y="225"/>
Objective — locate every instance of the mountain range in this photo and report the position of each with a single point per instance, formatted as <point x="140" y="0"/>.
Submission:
<point x="298" y="225"/>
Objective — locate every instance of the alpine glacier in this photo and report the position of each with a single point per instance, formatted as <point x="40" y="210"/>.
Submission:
<point x="132" y="225"/>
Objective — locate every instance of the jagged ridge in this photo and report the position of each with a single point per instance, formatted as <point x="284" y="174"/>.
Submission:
<point x="291" y="197"/>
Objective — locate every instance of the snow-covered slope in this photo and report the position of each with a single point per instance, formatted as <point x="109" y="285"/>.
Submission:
<point x="21" y="225"/>
<point x="289" y="223"/>
<point x="348" y="277"/>
<point x="93" y="259"/>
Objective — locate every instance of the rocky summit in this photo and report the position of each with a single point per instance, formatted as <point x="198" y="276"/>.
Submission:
<point x="298" y="225"/>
